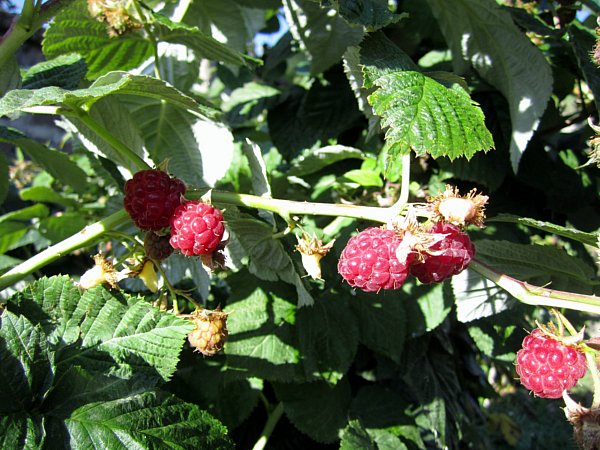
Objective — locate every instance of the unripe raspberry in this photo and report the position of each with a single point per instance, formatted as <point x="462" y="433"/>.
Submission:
<point x="151" y="196"/>
<point x="369" y="261"/>
<point x="211" y="333"/>
<point x="157" y="247"/>
<point x="450" y="253"/>
<point x="197" y="228"/>
<point x="547" y="367"/>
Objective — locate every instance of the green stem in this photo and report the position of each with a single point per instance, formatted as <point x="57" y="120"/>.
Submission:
<point x="593" y="368"/>
<point x="84" y="238"/>
<point x="536" y="295"/>
<point x="405" y="186"/>
<point x="121" y="148"/>
<point x="151" y="36"/>
<point x="24" y="26"/>
<point x="287" y="208"/>
<point x="269" y="427"/>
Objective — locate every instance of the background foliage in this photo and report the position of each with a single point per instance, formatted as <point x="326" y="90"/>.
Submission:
<point x="303" y="101"/>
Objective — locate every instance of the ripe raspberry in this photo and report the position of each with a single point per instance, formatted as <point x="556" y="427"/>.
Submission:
<point x="157" y="247"/>
<point x="448" y="256"/>
<point x="151" y="196"/>
<point x="211" y="331"/>
<point x="196" y="228"/>
<point x="547" y="366"/>
<point x="369" y="261"/>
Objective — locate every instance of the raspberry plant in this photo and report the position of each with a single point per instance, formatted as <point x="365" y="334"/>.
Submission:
<point x="378" y="197"/>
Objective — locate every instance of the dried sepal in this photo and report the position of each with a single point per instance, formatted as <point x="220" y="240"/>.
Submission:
<point x="312" y="251"/>
<point x="103" y="272"/>
<point x="459" y="210"/>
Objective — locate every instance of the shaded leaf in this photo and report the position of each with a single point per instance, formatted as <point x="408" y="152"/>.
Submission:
<point x="313" y="160"/>
<point x="20" y="431"/>
<point x="372" y="14"/>
<point x="484" y="36"/>
<point x="3" y="178"/>
<point x="65" y="71"/>
<point x="317" y="409"/>
<point x="583" y="42"/>
<point x="10" y="76"/>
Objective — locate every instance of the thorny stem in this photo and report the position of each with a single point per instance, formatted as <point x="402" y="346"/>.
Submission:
<point x="536" y="295"/>
<point x="88" y="236"/>
<point x="274" y="417"/>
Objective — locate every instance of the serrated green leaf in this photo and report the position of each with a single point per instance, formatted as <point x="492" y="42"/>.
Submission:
<point x="485" y="37"/>
<point x="569" y="233"/>
<point x="477" y="297"/>
<point x="20" y="431"/>
<point x="105" y="331"/>
<point x="428" y="118"/>
<point x="583" y="42"/>
<point x="205" y="46"/>
<point x="65" y="71"/>
<point x="321" y="32"/>
<point x="144" y="421"/>
<point x="73" y="30"/>
<point x="26" y="364"/>
<point x="317" y="409"/>
<point x="537" y="264"/>
<point x="313" y="160"/>
<point x="197" y="142"/>
<point x="268" y="259"/>
<point x="327" y="337"/>
<point x="54" y="162"/>
<point x="372" y="14"/>
<point x="382" y="323"/>
<point x="261" y="341"/>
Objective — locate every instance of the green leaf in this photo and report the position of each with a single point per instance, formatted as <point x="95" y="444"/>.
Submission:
<point x="10" y="234"/>
<point x="114" y="333"/>
<point x="73" y="30"/>
<point x="46" y="195"/>
<point x="261" y="339"/>
<point x="355" y="437"/>
<point x="65" y="71"/>
<point x="205" y="46"/>
<point x="382" y="322"/>
<point x="317" y="409"/>
<point x="321" y="32"/>
<point x="20" y="431"/>
<point x="537" y="264"/>
<point x="57" y="228"/>
<point x="4" y="185"/>
<point x="477" y="297"/>
<point x="372" y="14"/>
<point x="482" y="35"/>
<point x="429" y="303"/>
<point x="268" y="259"/>
<point x="250" y="92"/>
<point x="313" y="160"/>
<point x="111" y="83"/>
<point x="364" y="177"/>
<point x="10" y="77"/>
<point x="583" y="42"/>
<point x="54" y="162"/>
<point x="204" y="148"/>
<point x="147" y="420"/>
<point x="567" y="232"/>
<point x="30" y="212"/>
<point x="26" y="364"/>
<point x="328" y="338"/>
<point x="6" y="262"/>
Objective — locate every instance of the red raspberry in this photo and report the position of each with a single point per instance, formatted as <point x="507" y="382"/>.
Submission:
<point x="369" y="261"/>
<point x="196" y="228"/>
<point x="547" y="366"/>
<point x="446" y="257"/>
<point x="151" y="196"/>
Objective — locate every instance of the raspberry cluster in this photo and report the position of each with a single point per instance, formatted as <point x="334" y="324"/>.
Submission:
<point x="153" y="199"/>
<point x="548" y="367"/>
<point x="376" y="259"/>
